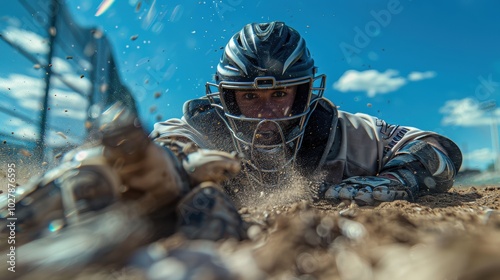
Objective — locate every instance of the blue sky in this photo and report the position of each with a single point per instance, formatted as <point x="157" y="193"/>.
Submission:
<point x="427" y="64"/>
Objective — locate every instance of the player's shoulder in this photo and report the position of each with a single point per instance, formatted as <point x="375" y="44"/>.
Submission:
<point x="196" y="106"/>
<point x="356" y="116"/>
<point x="359" y="119"/>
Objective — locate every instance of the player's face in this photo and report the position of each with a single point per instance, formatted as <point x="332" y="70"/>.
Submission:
<point x="266" y="103"/>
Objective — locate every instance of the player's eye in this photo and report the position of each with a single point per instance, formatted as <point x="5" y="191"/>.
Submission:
<point x="279" y="93"/>
<point x="249" y="95"/>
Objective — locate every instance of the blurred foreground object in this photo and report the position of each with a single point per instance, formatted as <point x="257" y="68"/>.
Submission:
<point x="100" y="203"/>
<point x="74" y="214"/>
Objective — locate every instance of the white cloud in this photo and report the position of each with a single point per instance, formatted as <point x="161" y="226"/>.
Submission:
<point x="60" y="65"/>
<point x="479" y="159"/>
<point x="67" y="99"/>
<point x="68" y="105"/>
<point x="31" y="105"/>
<point x="466" y="112"/>
<point x="29" y="91"/>
<point x="375" y="82"/>
<point x="83" y="84"/>
<point x="481" y="155"/>
<point x="371" y="81"/>
<point x="27" y="40"/>
<point x="26" y="132"/>
<point x="68" y="110"/>
<point x="418" y="76"/>
<point x="16" y="122"/>
<point x="22" y="86"/>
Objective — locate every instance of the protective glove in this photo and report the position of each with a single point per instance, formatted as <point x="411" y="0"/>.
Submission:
<point x="366" y="190"/>
<point x="158" y="174"/>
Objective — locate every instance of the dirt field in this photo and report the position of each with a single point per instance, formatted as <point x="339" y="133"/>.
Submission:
<point x="455" y="235"/>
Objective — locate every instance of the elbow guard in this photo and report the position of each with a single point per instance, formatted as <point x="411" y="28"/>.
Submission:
<point x="423" y="167"/>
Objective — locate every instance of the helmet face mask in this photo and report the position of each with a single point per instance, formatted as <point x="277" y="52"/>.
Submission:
<point x="266" y="57"/>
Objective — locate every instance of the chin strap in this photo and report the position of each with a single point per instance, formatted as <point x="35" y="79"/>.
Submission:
<point x="421" y="167"/>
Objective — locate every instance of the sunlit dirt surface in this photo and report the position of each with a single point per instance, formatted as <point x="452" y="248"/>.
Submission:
<point x="455" y="235"/>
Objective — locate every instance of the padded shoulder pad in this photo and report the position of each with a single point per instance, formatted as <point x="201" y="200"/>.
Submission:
<point x="196" y="106"/>
<point x="203" y="117"/>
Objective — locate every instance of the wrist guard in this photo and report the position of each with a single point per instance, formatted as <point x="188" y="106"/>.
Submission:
<point x="421" y="167"/>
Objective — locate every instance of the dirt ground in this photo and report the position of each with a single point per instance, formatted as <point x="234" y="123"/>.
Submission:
<point x="454" y="235"/>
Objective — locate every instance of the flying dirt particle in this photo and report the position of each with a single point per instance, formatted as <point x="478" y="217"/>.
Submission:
<point x="157" y="94"/>
<point x="25" y="153"/>
<point x="65" y="111"/>
<point x="44" y="163"/>
<point x="88" y="125"/>
<point x="58" y="155"/>
<point x="369" y="105"/>
<point x="52" y="31"/>
<point x="97" y="33"/>
<point x="103" y="88"/>
<point x="4" y="141"/>
<point x="159" y="117"/>
<point x="62" y="135"/>
<point x="152" y="109"/>
<point x="37" y="66"/>
<point x="134" y="37"/>
<point x="138" y="6"/>
<point x="69" y="57"/>
<point x="81" y="76"/>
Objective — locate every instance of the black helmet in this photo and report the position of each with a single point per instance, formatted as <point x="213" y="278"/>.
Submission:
<point x="265" y="49"/>
<point x="266" y="56"/>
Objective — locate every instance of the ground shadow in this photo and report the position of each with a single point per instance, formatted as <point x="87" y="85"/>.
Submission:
<point x="443" y="200"/>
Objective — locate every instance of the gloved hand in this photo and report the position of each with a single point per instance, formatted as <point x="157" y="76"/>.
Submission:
<point x="164" y="179"/>
<point x="148" y="173"/>
<point x="366" y="190"/>
<point x="158" y="174"/>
